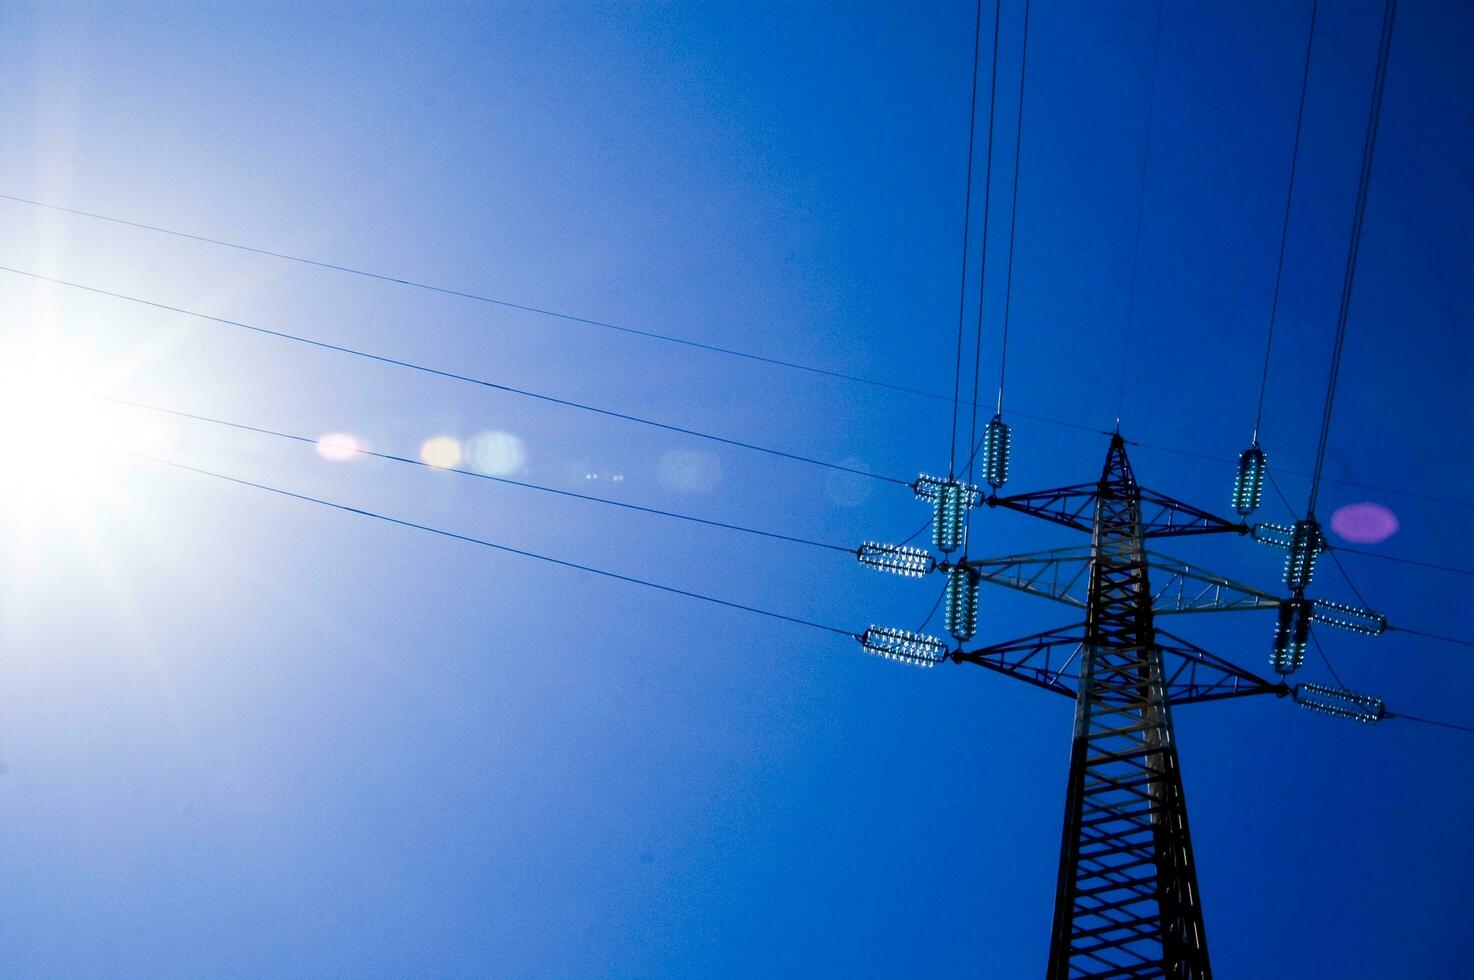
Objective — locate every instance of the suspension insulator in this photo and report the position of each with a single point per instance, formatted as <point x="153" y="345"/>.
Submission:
<point x="1291" y="635"/>
<point x="1306" y="544"/>
<point x="949" y="518"/>
<point x="962" y="602"/>
<point x="996" y="443"/>
<point x="1274" y="535"/>
<point x="1340" y="702"/>
<point x="950" y="500"/>
<point x="1352" y="618"/>
<point x="1248" y="486"/>
<point x="898" y="559"/>
<point x="904" y="646"/>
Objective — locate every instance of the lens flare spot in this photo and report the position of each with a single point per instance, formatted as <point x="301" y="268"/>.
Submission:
<point x="339" y="447"/>
<point x="689" y="471"/>
<point x="496" y="453"/>
<point x="1364" y="523"/>
<point x="441" y="452"/>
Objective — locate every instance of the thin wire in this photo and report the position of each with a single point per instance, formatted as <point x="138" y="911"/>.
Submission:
<point x="1430" y="721"/>
<point x="1336" y="560"/>
<point x="917" y="533"/>
<point x="1327" y="660"/>
<point x="1229" y="459"/>
<point x="1368" y="152"/>
<point x="933" y="614"/>
<point x="1405" y="561"/>
<point x="1279" y="270"/>
<point x="307" y="440"/>
<point x="1433" y="636"/>
<point x="1140" y="208"/>
<point x="977" y="352"/>
<point x="478" y="298"/>
<point x="489" y="544"/>
<point x="972" y="115"/>
<point x="1018" y="145"/>
<point x="508" y="389"/>
<point x="920" y="392"/>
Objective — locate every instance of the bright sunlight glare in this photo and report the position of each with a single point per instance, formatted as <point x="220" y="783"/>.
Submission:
<point x="56" y="433"/>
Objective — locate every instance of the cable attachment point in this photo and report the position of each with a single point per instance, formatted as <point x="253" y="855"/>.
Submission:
<point x="951" y="500"/>
<point x="898" y="559"/>
<point x="1291" y="634"/>
<point x="1341" y="703"/>
<point x="1248" y="485"/>
<point x="904" y="646"/>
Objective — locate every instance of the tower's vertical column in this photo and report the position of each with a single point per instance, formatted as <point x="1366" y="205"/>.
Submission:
<point x="1127" y="902"/>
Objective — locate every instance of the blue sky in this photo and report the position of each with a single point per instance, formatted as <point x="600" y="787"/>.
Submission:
<point x="245" y="736"/>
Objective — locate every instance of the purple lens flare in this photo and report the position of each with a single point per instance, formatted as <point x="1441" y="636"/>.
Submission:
<point x="1364" y="523"/>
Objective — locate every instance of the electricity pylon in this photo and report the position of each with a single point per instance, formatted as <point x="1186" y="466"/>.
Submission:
<point x="1127" y="903"/>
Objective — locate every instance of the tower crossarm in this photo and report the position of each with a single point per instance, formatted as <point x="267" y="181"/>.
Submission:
<point x="1070" y="506"/>
<point x="1050" y="660"/>
<point x="1161" y="516"/>
<point x="1191" y="674"/>
<point x="1063" y="574"/>
<point x="1181" y="587"/>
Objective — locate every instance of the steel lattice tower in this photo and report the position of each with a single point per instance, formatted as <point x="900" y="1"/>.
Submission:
<point x="1127" y="902"/>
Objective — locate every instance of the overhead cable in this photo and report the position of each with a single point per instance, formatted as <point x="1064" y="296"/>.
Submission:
<point x="1369" y="148"/>
<point x="507" y="481"/>
<point x="481" y="542"/>
<point x="453" y="376"/>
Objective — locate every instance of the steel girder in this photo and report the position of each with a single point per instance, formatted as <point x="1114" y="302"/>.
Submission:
<point x="1062" y="574"/>
<point x="1054" y="661"/>
<point x="1075" y="506"/>
<point x="1127" y="902"/>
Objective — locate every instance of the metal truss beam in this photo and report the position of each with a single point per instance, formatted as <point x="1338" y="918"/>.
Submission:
<point x="1062" y="574"/>
<point x="1161" y="516"/>
<point x="1054" y="660"/>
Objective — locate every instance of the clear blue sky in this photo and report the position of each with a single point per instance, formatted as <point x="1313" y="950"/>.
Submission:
<point x="245" y="736"/>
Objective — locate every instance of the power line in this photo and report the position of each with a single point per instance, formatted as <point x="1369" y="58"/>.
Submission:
<point x="241" y="426"/>
<point x="1368" y="152"/>
<point x="977" y="350"/>
<point x="1018" y="146"/>
<point x="1140" y="209"/>
<point x="489" y="544"/>
<point x="839" y="375"/>
<point x="479" y="298"/>
<point x="1228" y="459"/>
<point x="496" y="386"/>
<point x="1430" y="721"/>
<point x="972" y="116"/>
<point x="1433" y="636"/>
<point x="1279" y="270"/>
<point x="1404" y="561"/>
<point x="932" y="615"/>
<point x="1314" y="639"/>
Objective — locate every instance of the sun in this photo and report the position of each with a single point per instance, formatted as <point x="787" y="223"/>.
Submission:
<point x="57" y="434"/>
